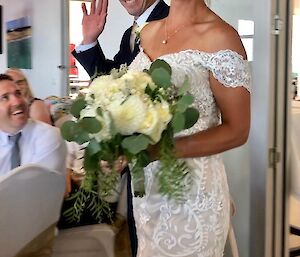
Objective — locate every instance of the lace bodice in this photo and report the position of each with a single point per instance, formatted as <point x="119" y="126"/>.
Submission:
<point x="227" y="66"/>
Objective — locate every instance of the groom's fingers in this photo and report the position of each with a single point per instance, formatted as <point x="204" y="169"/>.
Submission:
<point x="102" y="7"/>
<point x="93" y="7"/>
<point x="84" y="10"/>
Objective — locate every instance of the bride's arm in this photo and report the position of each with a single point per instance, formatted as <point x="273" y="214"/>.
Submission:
<point x="234" y="105"/>
<point x="233" y="102"/>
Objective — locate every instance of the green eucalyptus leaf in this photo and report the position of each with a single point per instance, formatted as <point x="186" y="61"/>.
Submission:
<point x="161" y="77"/>
<point x="160" y="64"/>
<point x="69" y="129"/>
<point x="191" y="117"/>
<point x="90" y="163"/>
<point x="178" y="122"/>
<point x="184" y="87"/>
<point x="184" y="102"/>
<point x="135" y="144"/>
<point x="82" y="137"/>
<point x="93" y="147"/>
<point x="77" y="106"/>
<point x="90" y="125"/>
<point x="148" y="91"/>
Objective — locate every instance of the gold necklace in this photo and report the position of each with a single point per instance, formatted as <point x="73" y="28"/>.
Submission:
<point x="167" y="35"/>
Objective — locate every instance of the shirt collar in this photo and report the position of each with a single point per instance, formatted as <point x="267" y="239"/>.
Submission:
<point x="4" y="136"/>
<point x="141" y="20"/>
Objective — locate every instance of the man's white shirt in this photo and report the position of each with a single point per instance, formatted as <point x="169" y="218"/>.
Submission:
<point x="40" y="144"/>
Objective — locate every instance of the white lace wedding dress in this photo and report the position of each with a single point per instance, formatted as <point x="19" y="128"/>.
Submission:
<point x="199" y="226"/>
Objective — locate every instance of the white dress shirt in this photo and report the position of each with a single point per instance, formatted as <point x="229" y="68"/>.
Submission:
<point x="141" y="20"/>
<point x="40" y="144"/>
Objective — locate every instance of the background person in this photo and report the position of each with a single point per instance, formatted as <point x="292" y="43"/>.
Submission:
<point x="37" y="107"/>
<point x="38" y="142"/>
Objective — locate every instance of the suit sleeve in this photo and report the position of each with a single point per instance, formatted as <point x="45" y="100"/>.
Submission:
<point x="94" y="61"/>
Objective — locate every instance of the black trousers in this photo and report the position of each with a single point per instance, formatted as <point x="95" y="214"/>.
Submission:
<point x="130" y="217"/>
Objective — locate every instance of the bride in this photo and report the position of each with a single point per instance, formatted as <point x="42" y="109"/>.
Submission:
<point x="199" y="44"/>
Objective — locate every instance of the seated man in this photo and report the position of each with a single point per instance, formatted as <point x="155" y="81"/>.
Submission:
<point x="25" y="141"/>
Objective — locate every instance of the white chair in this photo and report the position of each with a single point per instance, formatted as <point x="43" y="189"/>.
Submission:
<point x="94" y="240"/>
<point x="30" y="202"/>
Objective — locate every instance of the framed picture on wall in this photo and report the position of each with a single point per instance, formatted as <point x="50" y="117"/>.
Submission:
<point x="19" y="42"/>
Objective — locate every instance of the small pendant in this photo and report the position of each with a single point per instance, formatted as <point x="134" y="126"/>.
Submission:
<point x="164" y="41"/>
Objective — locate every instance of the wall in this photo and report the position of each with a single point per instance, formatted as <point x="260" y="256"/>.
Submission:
<point x="44" y="76"/>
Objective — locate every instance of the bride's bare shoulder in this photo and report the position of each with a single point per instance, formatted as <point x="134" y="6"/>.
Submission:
<point x="222" y="35"/>
<point x="150" y="30"/>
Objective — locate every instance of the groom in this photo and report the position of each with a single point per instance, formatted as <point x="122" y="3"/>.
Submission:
<point x="92" y="58"/>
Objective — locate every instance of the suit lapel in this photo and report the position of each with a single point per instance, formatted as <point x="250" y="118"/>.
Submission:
<point x="160" y="11"/>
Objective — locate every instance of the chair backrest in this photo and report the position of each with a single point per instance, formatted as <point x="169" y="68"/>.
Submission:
<point x="98" y="239"/>
<point x="30" y="201"/>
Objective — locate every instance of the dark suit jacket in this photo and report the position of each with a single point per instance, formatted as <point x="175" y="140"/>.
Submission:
<point x="94" y="61"/>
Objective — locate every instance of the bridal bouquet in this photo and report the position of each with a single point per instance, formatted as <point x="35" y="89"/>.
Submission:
<point x="122" y="114"/>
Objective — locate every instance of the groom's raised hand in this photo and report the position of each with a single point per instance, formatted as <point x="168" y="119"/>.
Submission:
<point x="93" y="22"/>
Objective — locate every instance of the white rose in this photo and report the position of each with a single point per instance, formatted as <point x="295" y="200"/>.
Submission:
<point x="164" y="117"/>
<point x="148" y="126"/>
<point x="89" y="111"/>
<point x="106" y="132"/>
<point x="138" y="80"/>
<point x="128" y="116"/>
<point x="163" y="110"/>
<point x="156" y="119"/>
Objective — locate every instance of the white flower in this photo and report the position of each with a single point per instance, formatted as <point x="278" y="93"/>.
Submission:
<point x="157" y="118"/>
<point x="164" y="113"/>
<point x="148" y="126"/>
<point x="105" y="133"/>
<point x="128" y="116"/>
<point x="89" y="111"/>
<point x="138" y="80"/>
<point x="130" y="109"/>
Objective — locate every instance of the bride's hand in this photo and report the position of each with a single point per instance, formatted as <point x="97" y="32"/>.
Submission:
<point x="118" y="165"/>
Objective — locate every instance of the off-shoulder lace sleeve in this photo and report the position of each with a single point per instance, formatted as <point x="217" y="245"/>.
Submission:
<point x="230" y="69"/>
